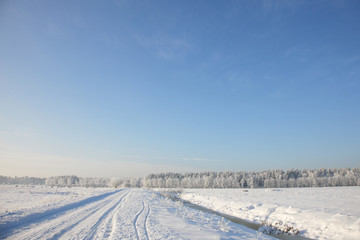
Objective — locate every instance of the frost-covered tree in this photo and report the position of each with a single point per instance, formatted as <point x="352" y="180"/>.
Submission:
<point x="268" y="179"/>
<point x="22" y="180"/>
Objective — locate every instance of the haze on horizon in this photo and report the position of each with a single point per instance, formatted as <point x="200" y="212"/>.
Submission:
<point x="127" y="88"/>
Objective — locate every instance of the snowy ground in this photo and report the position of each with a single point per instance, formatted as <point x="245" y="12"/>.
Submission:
<point x="321" y="213"/>
<point x="82" y="213"/>
<point x="20" y="201"/>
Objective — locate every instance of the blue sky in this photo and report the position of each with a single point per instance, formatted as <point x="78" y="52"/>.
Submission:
<point x="126" y="88"/>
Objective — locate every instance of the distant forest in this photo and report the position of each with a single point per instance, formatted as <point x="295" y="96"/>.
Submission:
<point x="73" y="181"/>
<point x="264" y="179"/>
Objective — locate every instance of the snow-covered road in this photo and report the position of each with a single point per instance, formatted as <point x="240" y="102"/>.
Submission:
<point x="123" y="214"/>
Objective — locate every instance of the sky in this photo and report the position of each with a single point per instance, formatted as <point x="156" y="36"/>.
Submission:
<point x="128" y="88"/>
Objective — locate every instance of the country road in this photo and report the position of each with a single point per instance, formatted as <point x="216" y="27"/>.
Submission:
<point x="124" y="214"/>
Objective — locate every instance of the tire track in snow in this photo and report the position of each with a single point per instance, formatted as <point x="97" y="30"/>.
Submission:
<point x="76" y="221"/>
<point x="37" y="218"/>
<point x="117" y="205"/>
<point x="47" y="227"/>
<point x="106" y="225"/>
<point x="93" y="228"/>
<point x="72" y="226"/>
<point x="114" y="220"/>
<point x="135" y="220"/>
<point x="146" y="221"/>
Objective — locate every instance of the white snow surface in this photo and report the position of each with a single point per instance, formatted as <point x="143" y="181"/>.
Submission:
<point x="320" y="213"/>
<point x="42" y="212"/>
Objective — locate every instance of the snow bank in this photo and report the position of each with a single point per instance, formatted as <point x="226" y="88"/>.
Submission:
<point x="320" y="213"/>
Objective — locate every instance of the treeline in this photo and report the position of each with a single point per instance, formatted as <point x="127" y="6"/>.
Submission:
<point x="94" y="182"/>
<point x="73" y="181"/>
<point x="263" y="179"/>
<point x="126" y="182"/>
<point x="22" y="180"/>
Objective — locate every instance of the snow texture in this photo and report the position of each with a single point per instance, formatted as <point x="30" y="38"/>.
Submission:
<point x="41" y="212"/>
<point x="319" y="213"/>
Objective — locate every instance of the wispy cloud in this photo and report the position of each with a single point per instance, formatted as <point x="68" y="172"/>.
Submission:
<point x="61" y="27"/>
<point x="164" y="158"/>
<point x="352" y="59"/>
<point x="277" y="5"/>
<point x="196" y="159"/>
<point x="148" y="157"/>
<point x="166" y="47"/>
<point x="304" y="53"/>
<point x="19" y="133"/>
<point x="236" y="82"/>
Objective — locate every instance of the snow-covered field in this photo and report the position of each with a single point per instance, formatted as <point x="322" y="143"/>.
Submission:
<point x="320" y="213"/>
<point x="42" y="212"/>
<point x="84" y="213"/>
<point x="19" y="201"/>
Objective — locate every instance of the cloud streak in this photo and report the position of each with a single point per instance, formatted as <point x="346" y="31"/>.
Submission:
<point x="166" y="47"/>
<point x="19" y="133"/>
<point x="195" y="159"/>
